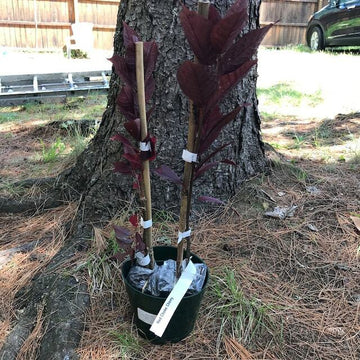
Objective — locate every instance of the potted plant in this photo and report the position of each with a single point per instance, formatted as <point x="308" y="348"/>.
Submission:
<point x="222" y="59"/>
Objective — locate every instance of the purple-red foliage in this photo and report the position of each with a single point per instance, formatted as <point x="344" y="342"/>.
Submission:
<point x="223" y="59"/>
<point x="128" y="244"/>
<point x="127" y="102"/>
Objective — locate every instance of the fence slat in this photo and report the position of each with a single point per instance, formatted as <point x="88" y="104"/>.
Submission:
<point x="49" y="24"/>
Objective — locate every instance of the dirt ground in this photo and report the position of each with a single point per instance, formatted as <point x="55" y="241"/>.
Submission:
<point x="281" y="288"/>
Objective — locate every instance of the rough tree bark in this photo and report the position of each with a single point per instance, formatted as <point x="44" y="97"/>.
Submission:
<point x="64" y="298"/>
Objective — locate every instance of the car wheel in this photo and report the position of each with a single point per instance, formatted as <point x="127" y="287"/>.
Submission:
<point x="316" y="39"/>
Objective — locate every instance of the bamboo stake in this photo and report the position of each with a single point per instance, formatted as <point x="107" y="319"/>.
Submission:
<point x="186" y="190"/>
<point x="147" y="234"/>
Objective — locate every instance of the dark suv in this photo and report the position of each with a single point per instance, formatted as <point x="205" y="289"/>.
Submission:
<point x="337" y="24"/>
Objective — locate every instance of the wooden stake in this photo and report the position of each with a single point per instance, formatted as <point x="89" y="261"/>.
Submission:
<point x="147" y="235"/>
<point x="186" y="191"/>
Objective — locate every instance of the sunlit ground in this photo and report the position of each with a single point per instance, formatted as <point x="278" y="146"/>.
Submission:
<point x="309" y="104"/>
<point x="327" y="83"/>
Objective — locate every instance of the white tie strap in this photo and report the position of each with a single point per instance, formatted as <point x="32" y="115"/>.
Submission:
<point x="183" y="235"/>
<point x="189" y="156"/>
<point x="145" y="146"/>
<point x="146" y="224"/>
<point x="142" y="260"/>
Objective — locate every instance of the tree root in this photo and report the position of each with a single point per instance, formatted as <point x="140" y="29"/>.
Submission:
<point x="40" y="204"/>
<point x="63" y="298"/>
<point x="27" y="183"/>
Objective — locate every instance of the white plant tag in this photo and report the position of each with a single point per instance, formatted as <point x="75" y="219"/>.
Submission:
<point x="173" y="300"/>
<point x="145" y="316"/>
<point x="189" y="156"/>
<point x="183" y="235"/>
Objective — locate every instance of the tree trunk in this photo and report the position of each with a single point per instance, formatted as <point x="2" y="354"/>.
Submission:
<point x="103" y="192"/>
<point x="93" y="174"/>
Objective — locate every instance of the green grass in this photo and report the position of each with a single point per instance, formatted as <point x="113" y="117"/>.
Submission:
<point x="6" y="117"/>
<point x="246" y="319"/>
<point x="53" y="152"/>
<point x="128" y="343"/>
<point x="284" y="93"/>
<point x="76" y="108"/>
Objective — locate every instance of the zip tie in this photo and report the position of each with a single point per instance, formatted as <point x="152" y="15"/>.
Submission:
<point x="183" y="235"/>
<point x="145" y="146"/>
<point x="189" y="156"/>
<point x="142" y="259"/>
<point x="146" y="224"/>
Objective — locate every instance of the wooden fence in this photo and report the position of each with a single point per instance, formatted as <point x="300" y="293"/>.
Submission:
<point x="46" y="24"/>
<point x="292" y="17"/>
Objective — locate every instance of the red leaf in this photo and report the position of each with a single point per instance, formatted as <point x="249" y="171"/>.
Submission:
<point x="133" y="128"/>
<point x="200" y="171"/>
<point x="197" y="81"/>
<point x="129" y="148"/>
<point x="213" y="133"/>
<point x="243" y="50"/>
<point x="122" y="234"/>
<point x="150" y="56"/>
<point x="149" y="113"/>
<point x="211" y="118"/>
<point x="122" y="167"/>
<point x="126" y="104"/>
<point x="125" y="251"/>
<point x="130" y="58"/>
<point x="122" y="139"/>
<point x="197" y="30"/>
<point x="218" y="149"/>
<point x="129" y="35"/>
<point x="228" y="81"/>
<point x="210" y="200"/>
<point x="140" y="244"/>
<point x="121" y="68"/>
<point x="134" y="220"/>
<point x="214" y="15"/>
<point x="226" y="30"/>
<point x="168" y="174"/>
<point x="229" y="162"/>
<point x="149" y="88"/>
<point x="134" y="159"/>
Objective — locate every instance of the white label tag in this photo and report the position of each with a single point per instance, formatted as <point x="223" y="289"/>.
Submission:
<point x="189" y="156"/>
<point x="145" y="316"/>
<point x="183" y="235"/>
<point x="173" y="300"/>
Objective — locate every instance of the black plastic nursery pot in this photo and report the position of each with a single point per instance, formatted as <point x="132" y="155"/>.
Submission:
<point x="146" y="306"/>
